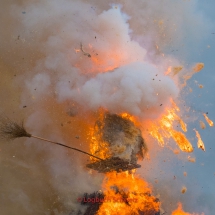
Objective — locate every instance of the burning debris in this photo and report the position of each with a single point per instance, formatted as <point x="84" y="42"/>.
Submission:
<point x="122" y="142"/>
<point x="210" y="122"/>
<point x="200" y="143"/>
<point x="183" y="190"/>
<point x="112" y="164"/>
<point x="84" y="53"/>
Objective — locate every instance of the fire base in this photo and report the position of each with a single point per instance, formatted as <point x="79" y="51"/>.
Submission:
<point x="93" y="207"/>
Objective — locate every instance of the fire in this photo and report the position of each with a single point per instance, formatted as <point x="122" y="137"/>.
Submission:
<point x="179" y="211"/>
<point x="208" y="120"/>
<point x="200" y="143"/>
<point x="164" y="128"/>
<point x="98" y="146"/>
<point x="127" y="194"/>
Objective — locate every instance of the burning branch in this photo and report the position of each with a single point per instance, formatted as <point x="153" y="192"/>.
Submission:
<point x="11" y="130"/>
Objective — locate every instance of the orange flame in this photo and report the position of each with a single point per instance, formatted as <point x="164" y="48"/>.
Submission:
<point x="208" y="120"/>
<point x="164" y="129"/>
<point x="179" y="211"/>
<point x="98" y="147"/>
<point x="200" y="143"/>
<point x="126" y="194"/>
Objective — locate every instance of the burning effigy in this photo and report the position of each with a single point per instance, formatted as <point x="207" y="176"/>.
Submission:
<point x="122" y="141"/>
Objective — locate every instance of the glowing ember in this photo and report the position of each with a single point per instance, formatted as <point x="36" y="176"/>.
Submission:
<point x="127" y="194"/>
<point x="200" y="143"/>
<point x="179" y="211"/>
<point x="208" y="120"/>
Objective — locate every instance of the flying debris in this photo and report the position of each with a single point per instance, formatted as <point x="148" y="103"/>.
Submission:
<point x="183" y="190"/>
<point x="176" y="70"/>
<point x="85" y="53"/>
<point x="200" y="143"/>
<point x="202" y="125"/>
<point x="198" y="67"/>
<point x="210" y="122"/>
<point x="192" y="160"/>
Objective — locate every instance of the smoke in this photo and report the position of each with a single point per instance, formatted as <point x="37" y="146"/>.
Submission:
<point x="46" y="74"/>
<point x="137" y="88"/>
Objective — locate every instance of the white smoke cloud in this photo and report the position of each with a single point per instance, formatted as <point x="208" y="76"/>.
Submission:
<point x="138" y="88"/>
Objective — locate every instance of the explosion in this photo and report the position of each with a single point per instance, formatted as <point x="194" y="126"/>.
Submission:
<point x="102" y="74"/>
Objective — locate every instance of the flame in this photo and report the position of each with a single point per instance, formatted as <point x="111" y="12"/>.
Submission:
<point x="179" y="211"/>
<point x="98" y="147"/>
<point x="126" y="194"/>
<point x="131" y="118"/>
<point x="164" y="128"/>
<point x="200" y="143"/>
<point x="208" y="120"/>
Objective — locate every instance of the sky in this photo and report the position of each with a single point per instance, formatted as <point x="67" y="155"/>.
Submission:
<point x="38" y="57"/>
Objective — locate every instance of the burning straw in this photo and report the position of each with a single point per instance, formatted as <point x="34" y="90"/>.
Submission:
<point x="11" y="130"/>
